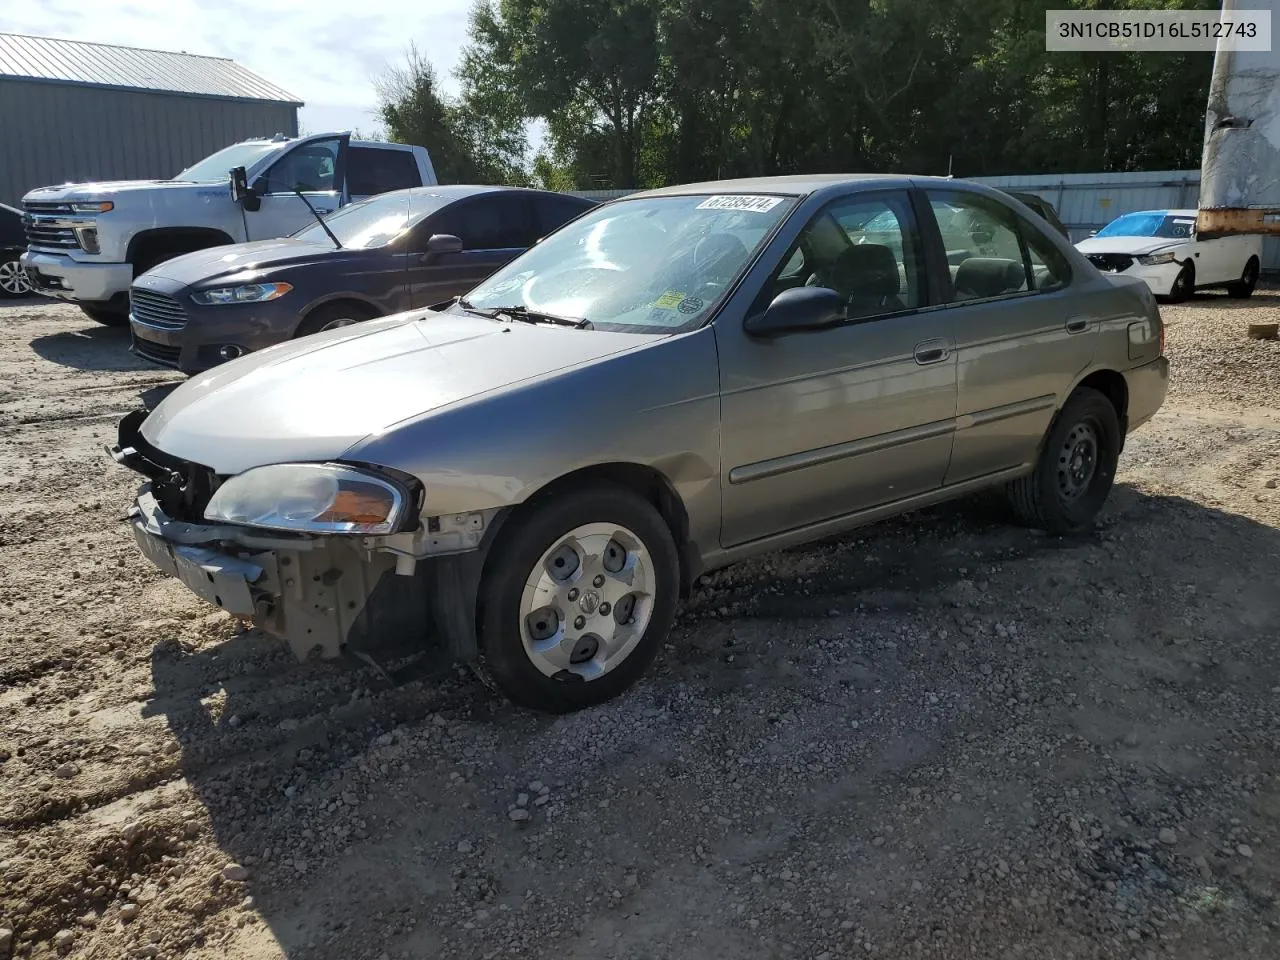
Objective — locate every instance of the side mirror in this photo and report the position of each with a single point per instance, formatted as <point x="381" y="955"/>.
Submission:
<point x="1093" y="233"/>
<point x="796" y="310"/>
<point x="440" y="244"/>
<point x="241" y="193"/>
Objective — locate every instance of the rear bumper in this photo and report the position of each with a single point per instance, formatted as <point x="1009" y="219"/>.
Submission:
<point x="55" y="275"/>
<point x="1148" y="387"/>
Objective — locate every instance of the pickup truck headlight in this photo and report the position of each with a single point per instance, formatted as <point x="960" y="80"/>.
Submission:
<point x="242" y="293"/>
<point x="309" y="498"/>
<point x="93" y="206"/>
<point x="1152" y="259"/>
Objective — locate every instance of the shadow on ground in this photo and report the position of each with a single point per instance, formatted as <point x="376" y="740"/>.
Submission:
<point x="768" y="664"/>
<point x="94" y="347"/>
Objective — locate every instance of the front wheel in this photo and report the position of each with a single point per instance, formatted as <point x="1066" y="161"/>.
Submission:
<point x="578" y="596"/>
<point x="1076" y="468"/>
<point x="13" y="279"/>
<point x="1184" y="285"/>
<point x="1248" y="280"/>
<point x="331" y="316"/>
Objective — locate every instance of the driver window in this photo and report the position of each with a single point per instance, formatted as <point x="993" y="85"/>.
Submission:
<point x="866" y="248"/>
<point x="310" y="168"/>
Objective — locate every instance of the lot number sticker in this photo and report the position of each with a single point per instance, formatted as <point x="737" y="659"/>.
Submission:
<point x="740" y="202"/>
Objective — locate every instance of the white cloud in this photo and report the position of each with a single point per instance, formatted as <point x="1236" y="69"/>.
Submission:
<point x="325" y="52"/>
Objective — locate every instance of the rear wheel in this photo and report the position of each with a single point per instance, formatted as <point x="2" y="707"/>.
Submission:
<point x="1184" y="285"/>
<point x="1248" y="280"/>
<point x="331" y="316"/>
<point x="1076" y="469"/>
<point x="578" y="596"/>
<point x="13" y="279"/>
<point x="105" y="315"/>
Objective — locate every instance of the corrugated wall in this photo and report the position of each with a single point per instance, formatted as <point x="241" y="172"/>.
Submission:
<point x="1088" y="201"/>
<point x="58" y="132"/>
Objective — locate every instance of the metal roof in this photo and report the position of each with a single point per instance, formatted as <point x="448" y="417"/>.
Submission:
<point x="105" y="65"/>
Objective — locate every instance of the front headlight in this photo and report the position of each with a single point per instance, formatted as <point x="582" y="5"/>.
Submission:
<point x="242" y="293"/>
<point x="310" y="498"/>
<point x="93" y="206"/>
<point x="1152" y="259"/>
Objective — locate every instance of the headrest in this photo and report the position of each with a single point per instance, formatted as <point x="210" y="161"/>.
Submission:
<point x="980" y="277"/>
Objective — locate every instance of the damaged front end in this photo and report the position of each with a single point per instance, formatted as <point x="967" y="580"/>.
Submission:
<point x="323" y="592"/>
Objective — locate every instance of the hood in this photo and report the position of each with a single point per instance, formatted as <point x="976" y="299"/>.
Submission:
<point x="314" y="398"/>
<point x="1131" y="245"/>
<point x="257" y="257"/>
<point x="106" y="189"/>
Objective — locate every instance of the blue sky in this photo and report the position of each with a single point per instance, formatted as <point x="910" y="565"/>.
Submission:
<point x="326" y="53"/>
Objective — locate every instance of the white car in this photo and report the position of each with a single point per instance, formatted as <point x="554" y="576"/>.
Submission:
<point x="1161" y="248"/>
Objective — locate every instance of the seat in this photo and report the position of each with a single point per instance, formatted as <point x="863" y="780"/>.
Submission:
<point x="980" y="277"/>
<point x="866" y="277"/>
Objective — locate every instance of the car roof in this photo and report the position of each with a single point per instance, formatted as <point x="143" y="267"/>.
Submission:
<point x="1162" y="213"/>
<point x="459" y="191"/>
<point x="799" y="185"/>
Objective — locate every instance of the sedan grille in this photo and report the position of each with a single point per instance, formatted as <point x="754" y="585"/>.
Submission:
<point x="1111" y="262"/>
<point x="48" y="226"/>
<point x="156" y="352"/>
<point x="156" y="309"/>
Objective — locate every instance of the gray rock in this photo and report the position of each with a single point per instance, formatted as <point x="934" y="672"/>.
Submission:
<point x="6" y="941"/>
<point x="522" y="800"/>
<point x="464" y="846"/>
<point x="63" y="940"/>
<point x="235" y="873"/>
<point x="129" y="912"/>
<point x="66" y="771"/>
<point x="1245" y="851"/>
<point x="1168" y="836"/>
<point x="519" y="814"/>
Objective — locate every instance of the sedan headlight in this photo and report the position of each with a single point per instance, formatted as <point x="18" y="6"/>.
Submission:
<point x="93" y="206"/>
<point x="242" y="293"/>
<point x="310" y="498"/>
<point x="1152" y="259"/>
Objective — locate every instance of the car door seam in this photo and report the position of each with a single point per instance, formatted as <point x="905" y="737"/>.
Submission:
<point x="990" y="415"/>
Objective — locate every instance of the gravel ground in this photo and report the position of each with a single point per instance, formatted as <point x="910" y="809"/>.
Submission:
<point x="939" y="737"/>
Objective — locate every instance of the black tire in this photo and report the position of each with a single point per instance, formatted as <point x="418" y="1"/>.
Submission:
<point x="503" y="662"/>
<point x="1052" y="497"/>
<point x="105" y="316"/>
<point x="1243" y="287"/>
<point x="13" y="279"/>
<point x="333" y="314"/>
<point x="1184" y="285"/>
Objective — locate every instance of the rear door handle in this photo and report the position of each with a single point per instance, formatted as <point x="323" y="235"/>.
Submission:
<point x="931" y="351"/>
<point x="1077" y="325"/>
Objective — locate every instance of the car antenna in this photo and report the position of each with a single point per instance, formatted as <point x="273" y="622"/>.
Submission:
<point x="319" y="219"/>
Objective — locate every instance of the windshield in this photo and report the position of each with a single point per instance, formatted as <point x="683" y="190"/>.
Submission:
<point x="1149" y="225"/>
<point x="650" y="265"/>
<point x="360" y="226"/>
<point x="217" y="167"/>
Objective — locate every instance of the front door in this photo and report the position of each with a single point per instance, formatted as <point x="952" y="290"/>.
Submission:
<point x="1021" y="339"/>
<point x="315" y="169"/>
<point x="494" y="229"/>
<point x="825" y="423"/>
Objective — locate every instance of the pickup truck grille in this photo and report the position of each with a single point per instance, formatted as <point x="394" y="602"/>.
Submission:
<point x="156" y="309"/>
<point x="48" y="226"/>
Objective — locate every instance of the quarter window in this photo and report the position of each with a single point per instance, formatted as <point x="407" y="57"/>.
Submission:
<point x="866" y="248"/>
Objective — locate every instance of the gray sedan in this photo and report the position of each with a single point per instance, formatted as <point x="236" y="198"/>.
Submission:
<point x="670" y="383"/>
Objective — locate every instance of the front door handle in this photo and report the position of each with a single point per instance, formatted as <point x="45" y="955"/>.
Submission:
<point x="1077" y="325"/>
<point x="932" y="351"/>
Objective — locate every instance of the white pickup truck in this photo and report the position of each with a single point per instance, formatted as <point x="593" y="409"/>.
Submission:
<point x="86" y="242"/>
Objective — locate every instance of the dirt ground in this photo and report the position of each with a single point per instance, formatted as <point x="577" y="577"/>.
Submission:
<point x="939" y="737"/>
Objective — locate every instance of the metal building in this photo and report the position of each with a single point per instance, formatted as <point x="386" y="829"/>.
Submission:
<point x="73" y="111"/>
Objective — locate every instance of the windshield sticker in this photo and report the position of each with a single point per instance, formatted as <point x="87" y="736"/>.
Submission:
<point x="669" y="300"/>
<point x="1184" y="221"/>
<point x="690" y="305"/>
<point x="740" y="202"/>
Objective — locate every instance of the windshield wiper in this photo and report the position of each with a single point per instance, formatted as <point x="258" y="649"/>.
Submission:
<point x="525" y="315"/>
<point x="319" y="219"/>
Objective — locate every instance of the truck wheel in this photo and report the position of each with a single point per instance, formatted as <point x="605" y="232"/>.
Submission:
<point x="331" y="316"/>
<point x="578" y="596"/>
<point x="1248" y="280"/>
<point x="105" y="316"/>
<point x="1076" y="468"/>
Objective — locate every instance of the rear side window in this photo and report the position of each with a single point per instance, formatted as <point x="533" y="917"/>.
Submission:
<point x="497" y="222"/>
<point x="551" y="213"/>
<point x="371" y="171"/>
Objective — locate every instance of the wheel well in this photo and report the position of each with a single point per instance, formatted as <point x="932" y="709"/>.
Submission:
<point x="646" y="483"/>
<point x="144" y="247"/>
<point x="367" y="311"/>
<point x="1111" y="385"/>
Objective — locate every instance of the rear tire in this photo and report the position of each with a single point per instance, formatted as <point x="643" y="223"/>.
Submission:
<point x="105" y="316"/>
<point x="331" y="316"/>
<point x="1076" y="469"/>
<point x="1243" y="287"/>
<point x="572" y="648"/>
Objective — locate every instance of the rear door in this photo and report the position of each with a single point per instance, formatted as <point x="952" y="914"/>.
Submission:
<point x="1021" y="335"/>
<point x="493" y="227"/>
<point x="316" y="168"/>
